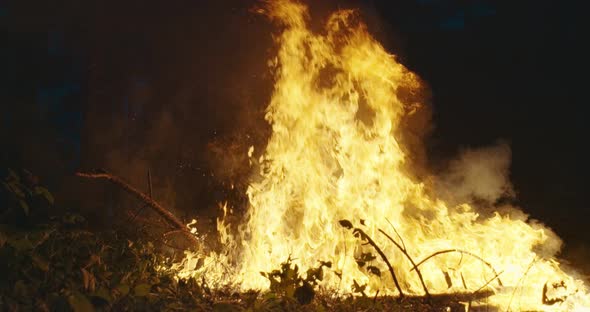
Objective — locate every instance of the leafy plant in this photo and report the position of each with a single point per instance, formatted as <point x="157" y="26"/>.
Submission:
<point x="23" y="198"/>
<point x="288" y="282"/>
<point x="359" y="233"/>
<point x="61" y="265"/>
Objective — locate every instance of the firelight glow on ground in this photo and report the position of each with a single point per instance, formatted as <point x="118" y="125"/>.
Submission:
<point x="335" y="154"/>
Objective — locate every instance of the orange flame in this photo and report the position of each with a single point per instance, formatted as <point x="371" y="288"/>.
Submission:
<point x="325" y="162"/>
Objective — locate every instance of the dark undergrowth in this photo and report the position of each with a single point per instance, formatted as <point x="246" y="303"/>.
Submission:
<point x="63" y="266"/>
<point x="60" y="263"/>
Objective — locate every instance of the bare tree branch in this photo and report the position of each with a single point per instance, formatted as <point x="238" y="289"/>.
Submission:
<point x="159" y="209"/>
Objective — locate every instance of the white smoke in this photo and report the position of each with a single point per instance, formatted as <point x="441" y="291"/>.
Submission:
<point x="481" y="177"/>
<point x="478" y="175"/>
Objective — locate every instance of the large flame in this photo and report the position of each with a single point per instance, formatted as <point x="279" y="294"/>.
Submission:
<point x="335" y="154"/>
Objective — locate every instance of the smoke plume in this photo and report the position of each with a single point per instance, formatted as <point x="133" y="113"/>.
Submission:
<point x="478" y="175"/>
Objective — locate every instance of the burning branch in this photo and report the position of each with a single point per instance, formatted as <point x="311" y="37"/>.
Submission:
<point x="404" y="251"/>
<point x="159" y="209"/>
<point x="363" y="236"/>
<point x="463" y="252"/>
<point x="488" y="282"/>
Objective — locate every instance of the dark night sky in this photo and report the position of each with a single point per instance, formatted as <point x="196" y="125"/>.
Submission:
<point x="86" y="84"/>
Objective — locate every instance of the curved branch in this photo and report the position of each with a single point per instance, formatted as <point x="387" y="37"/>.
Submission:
<point x="520" y="281"/>
<point x="174" y="232"/>
<point x="463" y="252"/>
<point x="403" y="250"/>
<point x="396" y="233"/>
<point x="380" y="252"/>
<point x="488" y="282"/>
<point x="159" y="209"/>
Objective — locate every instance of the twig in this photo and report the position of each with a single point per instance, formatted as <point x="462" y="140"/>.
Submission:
<point x="375" y="297"/>
<point x="487" y="283"/>
<point x="345" y="257"/>
<point x="171" y="246"/>
<point x="403" y="250"/>
<point x="150" y="183"/>
<point x="519" y="282"/>
<point x="461" y="252"/>
<point x="380" y="252"/>
<point x="458" y="296"/>
<point x="140" y="210"/>
<point x="396" y="233"/>
<point x="468" y="308"/>
<point x="174" y="232"/>
<point x="163" y="212"/>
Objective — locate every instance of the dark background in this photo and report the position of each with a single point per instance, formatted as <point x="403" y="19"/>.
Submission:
<point x="163" y="85"/>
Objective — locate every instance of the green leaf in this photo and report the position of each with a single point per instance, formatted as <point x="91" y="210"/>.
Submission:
<point x="79" y="303"/>
<point x="23" y="204"/>
<point x="16" y="188"/>
<point x="39" y="190"/>
<point x="142" y="290"/>
<point x="122" y="289"/>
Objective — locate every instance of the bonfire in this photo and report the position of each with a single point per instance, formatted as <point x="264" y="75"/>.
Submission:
<point x="334" y="197"/>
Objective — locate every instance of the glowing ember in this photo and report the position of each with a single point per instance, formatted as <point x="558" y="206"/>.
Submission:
<point x="334" y="155"/>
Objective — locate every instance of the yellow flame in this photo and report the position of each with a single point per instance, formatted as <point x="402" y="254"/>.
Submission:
<point x="334" y="154"/>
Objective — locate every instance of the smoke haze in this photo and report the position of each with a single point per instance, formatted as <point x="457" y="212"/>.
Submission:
<point x="475" y="175"/>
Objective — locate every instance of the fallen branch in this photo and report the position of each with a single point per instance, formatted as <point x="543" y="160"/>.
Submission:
<point x="520" y="281"/>
<point x="159" y="209"/>
<point x="396" y="233"/>
<point x="156" y="223"/>
<point x="487" y="283"/>
<point x="149" y="177"/>
<point x="174" y="232"/>
<point x="403" y="250"/>
<point x="363" y="236"/>
<point x="458" y="296"/>
<point x="463" y="252"/>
